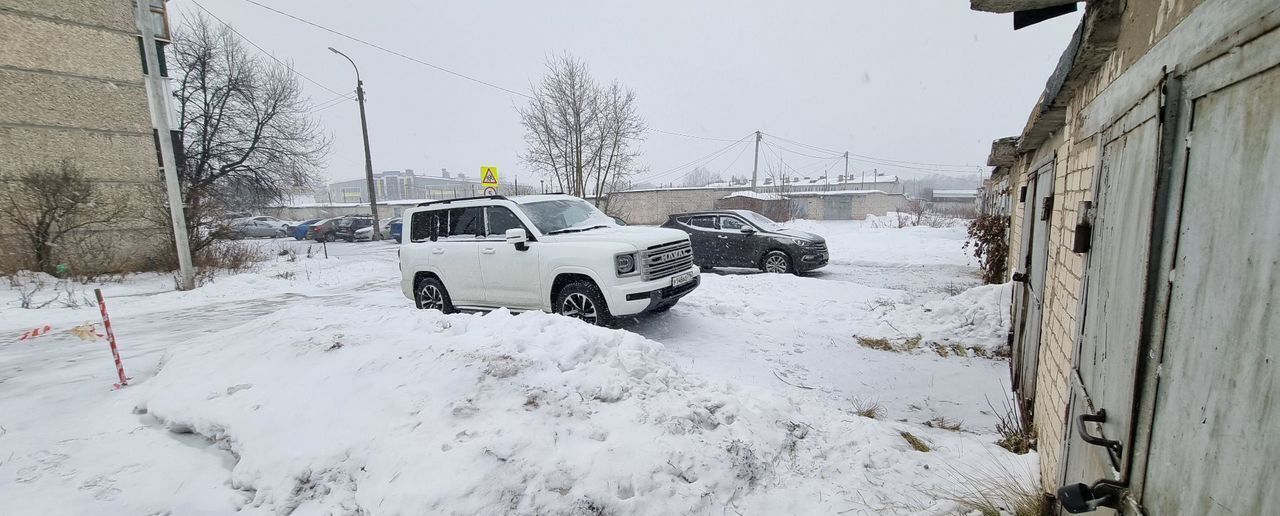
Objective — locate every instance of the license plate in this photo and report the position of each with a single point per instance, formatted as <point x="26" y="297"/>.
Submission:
<point x="682" y="279"/>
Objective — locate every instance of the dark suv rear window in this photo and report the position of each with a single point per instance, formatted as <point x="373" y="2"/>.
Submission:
<point x="707" y="222"/>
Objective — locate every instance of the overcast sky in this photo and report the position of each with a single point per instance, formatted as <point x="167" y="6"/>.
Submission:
<point x="925" y="81"/>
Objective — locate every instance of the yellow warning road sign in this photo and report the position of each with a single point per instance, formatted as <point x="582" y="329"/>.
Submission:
<point x="489" y="176"/>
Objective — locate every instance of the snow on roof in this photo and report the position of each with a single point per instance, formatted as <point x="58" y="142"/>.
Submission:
<point x="755" y="195"/>
<point x="955" y="193"/>
<point x="840" y="192"/>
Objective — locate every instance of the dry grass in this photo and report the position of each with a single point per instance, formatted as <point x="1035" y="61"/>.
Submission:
<point x="225" y="256"/>
<point x="916" y="443"/>
<point x="881" y="344"/>
<point x="959" y="350"/>
<point x="945" y="423"/>
<point x="1014" y="435"/>
<point x="868" y="409"/>
<point x="999" y="491"/>
<point x="940" y="350"/>
<point x="912" y="343"/>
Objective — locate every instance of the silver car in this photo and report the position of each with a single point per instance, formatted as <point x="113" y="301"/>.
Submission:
<point x="253" y="228"/>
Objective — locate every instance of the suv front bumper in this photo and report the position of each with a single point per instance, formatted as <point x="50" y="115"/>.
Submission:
<point x="647" y="296"/>
<point x="810" y="260"/>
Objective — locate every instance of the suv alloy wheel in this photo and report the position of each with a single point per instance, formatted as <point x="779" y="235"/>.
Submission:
<point x="431" y="295"/>
<point x="776" y="262"/>
<point x="582" y="300"/>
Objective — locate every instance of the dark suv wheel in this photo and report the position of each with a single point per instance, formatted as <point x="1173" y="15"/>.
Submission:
<point x="776" y="262"/>
<point x="582" y="300"/>
<point x="430" y="294"/>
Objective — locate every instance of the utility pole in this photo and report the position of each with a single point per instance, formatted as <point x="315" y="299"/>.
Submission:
<point x="756" y="167"/>
<point x="846" y="166"/>
<point x="863" y="184"/>
<point x="158" y="101"/>
<point x="368" y="161"/>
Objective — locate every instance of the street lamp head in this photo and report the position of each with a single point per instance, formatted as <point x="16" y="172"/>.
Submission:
<point x="334" y="50"/>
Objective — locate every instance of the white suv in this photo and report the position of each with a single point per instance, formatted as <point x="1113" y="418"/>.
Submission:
<point x="555" y="253"/>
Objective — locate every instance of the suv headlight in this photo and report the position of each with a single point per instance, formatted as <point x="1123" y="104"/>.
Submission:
<point x="624" y="263"/>
<point x="801" y="243"/>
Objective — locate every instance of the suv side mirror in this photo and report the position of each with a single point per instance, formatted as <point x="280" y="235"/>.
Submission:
<point x="748" y="230"/>
<point x="519" y="237"/>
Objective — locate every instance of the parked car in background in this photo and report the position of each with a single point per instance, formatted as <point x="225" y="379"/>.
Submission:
<point x="269" y="221"/>
<point x="250" y="228"/>
<point x="346" y="227"/>
<point x="366" y="234"/>
<point x="397" y="229"/>
<point x="322" y="230"/>
<point x="742" y="238"/>
<point x="299" y="231"/>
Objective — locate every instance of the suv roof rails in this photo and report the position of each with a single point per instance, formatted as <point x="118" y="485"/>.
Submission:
<point x="447" y="201"/>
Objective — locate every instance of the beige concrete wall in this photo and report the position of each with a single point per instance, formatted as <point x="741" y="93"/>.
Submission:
<point x="72" y="84"/>
<point x="655" y="206"/>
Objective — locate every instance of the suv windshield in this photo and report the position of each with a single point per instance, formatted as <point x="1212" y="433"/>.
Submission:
<point x="563" y="215"/>
<point x="761" y="221"/>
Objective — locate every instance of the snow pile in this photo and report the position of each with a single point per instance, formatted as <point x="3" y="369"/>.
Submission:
<point x="755" y="195"/>
<point x="487" y="414"/>
<point x="397" y="411"/>
<point x="978" y="318"/>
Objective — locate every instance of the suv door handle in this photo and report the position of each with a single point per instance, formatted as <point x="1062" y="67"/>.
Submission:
<point x="487" y="250"/>
<point x="437" y="250"/>
<point x="721" y="236"/>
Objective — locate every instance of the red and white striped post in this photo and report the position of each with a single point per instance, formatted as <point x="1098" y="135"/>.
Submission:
<point x="111" y="337"/>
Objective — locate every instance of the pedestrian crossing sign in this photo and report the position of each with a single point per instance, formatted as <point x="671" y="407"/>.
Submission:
<point x="489" y="176"/>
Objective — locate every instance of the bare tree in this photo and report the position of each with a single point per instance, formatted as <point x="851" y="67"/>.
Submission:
<point x="581" y="135"/>
<point x="783" y="182"/>
<point x="701" y="176"/>
<point x="248" y="137"/>
<point x="47" y="203"/>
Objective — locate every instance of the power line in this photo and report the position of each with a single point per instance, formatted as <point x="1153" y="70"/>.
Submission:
<point x="329" y="103"/>
<point x="714" y="154"/>
<point x="268" y="54"/>
<point x="673" y="133"/>
<point x="735" y="160"/>
<point x="885" y="161"/>
<point x="793" y="151"/>
<point x="438" y="67"/>
<point x="695" y="163"/>
<point x="390" y="51"/>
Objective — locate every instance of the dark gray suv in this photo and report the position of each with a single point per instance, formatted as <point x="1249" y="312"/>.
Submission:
<point x="741" y="238"/>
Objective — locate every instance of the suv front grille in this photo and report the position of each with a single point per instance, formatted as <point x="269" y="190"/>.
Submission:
<point x="820" y="247"/>
<point x="664" y="260"/>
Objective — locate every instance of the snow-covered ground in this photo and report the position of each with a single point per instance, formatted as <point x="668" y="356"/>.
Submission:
<point x="312" y="386"/>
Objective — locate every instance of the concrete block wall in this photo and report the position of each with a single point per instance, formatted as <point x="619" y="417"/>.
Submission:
<point x="655" y="206"/>
<point x="73" y="88"/>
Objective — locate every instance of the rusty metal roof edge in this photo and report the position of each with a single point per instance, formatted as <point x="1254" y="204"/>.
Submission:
<point x="1092" y="42"/>
<point x="1008" y="6"/>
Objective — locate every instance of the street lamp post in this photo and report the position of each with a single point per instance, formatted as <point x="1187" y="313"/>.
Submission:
<point x="368" y="161"/>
